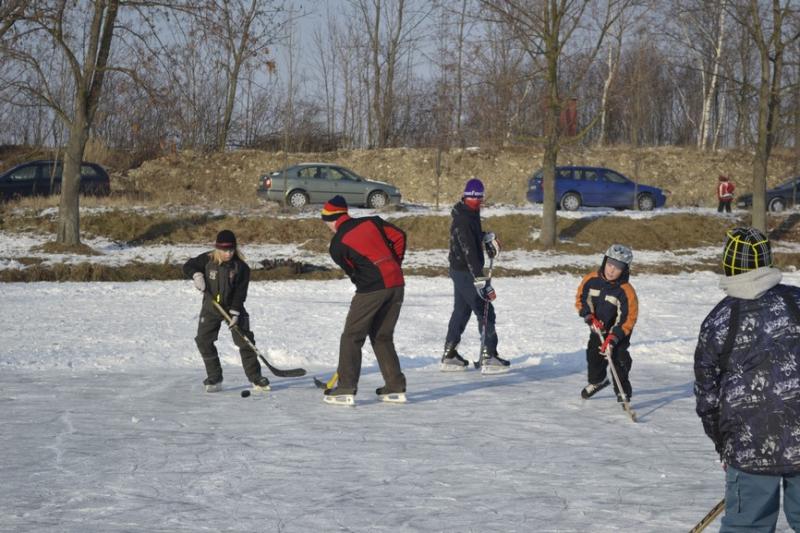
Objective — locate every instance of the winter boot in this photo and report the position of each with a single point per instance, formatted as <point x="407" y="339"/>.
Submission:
<point x="385" y="394"/>
<point x="451" y="360"/>
<point x="340" y="396"/>
<point x="493" y="363"/>
<point x="213" y="385"/>
<point x="261" y="384"/>
<point x="593" y="388"/>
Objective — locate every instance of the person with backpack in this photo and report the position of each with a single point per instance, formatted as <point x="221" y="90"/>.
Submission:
<point x="223" y="276"/>
<point x="747" y="385"/>
<point x="472" y="291"/>
<point x="607" y="302"/>
<point x="370" y="251"/>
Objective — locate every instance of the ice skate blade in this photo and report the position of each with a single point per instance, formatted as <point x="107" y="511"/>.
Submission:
<point x="488" y="370"/>
<point x="342" y="399"/>
<point x="258" y="388"/>
<point x="213" y="388"/>
<point x="452" y="368"/>
<point x="393" y="397"/>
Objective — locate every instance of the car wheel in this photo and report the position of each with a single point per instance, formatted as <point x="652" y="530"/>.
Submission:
<point x="297" y="199"/>
<point x="646" y="202"/>
<point x="377" y="199"/>
<point x="777" y="205"/>
<point x="570" y="202"/>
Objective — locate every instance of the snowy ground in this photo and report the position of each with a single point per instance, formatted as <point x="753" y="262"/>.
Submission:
<point x="106" y="427"/>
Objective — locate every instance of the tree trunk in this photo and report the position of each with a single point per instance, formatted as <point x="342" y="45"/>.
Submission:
<point x="549" y="231"/>
<point x="708" y="98"/>
<point x="69" y="228"/>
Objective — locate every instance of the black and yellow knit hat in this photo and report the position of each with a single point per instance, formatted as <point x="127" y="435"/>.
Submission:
<point x="745" y="249"/>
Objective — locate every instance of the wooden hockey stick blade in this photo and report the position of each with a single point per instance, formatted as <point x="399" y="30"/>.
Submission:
<point x="709" y="517"/>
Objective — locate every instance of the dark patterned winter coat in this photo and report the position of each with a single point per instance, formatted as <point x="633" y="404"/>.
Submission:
<point x="749" y="400"/>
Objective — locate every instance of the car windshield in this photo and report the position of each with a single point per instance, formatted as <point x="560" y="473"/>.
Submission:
<point x="790" y="182"/>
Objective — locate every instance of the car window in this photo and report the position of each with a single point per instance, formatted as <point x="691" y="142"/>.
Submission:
<point x="24" y="174"/>
<point x="308" y="172"/>
<point x="335" y="174"/>
<point x="49" y="170"/>
<point x="88" y="171"/>
<point x="613" y="177"/>
<point x="349" y="175"/>
<point x="587" y="174"/>
<point x="564" y="174"/>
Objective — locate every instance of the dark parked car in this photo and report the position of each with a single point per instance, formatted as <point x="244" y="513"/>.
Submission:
<point x="40" y="178"/>
<point x="318" y="182"/>
<point x="595" y="187"/>
<point x="778" y="198"/>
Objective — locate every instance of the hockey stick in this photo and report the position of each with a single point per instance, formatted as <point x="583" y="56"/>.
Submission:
<point x="329" y="384"/>
<point x="626" y="405"/>
<point x="709" y="517"/>
<point x="487" y="279"/>
<point x="288" y="373"/>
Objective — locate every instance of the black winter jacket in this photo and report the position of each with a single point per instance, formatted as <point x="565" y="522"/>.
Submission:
<point x="227" y="282"/>
<point x="749" y="400"/>
<point x="466" y="240"/>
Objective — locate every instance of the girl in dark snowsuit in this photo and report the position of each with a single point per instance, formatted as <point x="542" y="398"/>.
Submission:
<point x="223" y="275"/>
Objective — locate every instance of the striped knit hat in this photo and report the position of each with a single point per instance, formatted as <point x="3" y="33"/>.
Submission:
<point x="334" y="208"/>
<point x="745" y="249"/>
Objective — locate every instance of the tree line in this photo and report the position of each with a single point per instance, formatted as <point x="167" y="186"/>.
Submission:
<point x="145" y="76"/>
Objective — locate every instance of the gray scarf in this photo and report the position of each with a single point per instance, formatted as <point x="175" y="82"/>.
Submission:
<point x="752" y="284"/>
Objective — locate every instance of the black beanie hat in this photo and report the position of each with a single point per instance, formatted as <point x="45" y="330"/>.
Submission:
<point x="226" y="240"/>
<point x="745" y="249"/>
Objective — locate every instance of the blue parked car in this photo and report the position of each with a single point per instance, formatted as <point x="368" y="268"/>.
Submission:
<point x="595" y="187"/>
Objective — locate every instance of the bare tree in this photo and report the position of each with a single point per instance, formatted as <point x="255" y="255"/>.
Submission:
<point x="86" y="53"/>
<point x="545" y="29"/>
<point x="245" y="30"/>
<point x="10" y="12"/>
<point x="390" y="35"/>
<point x="768" y="34"/>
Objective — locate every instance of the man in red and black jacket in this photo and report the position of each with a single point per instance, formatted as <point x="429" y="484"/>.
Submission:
<point x="370" y="250"/>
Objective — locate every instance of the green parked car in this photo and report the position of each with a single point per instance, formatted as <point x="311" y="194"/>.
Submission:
<point x="317" y="183"/>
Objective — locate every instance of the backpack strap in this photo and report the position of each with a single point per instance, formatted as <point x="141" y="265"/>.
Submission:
<point x="733" y="327"/>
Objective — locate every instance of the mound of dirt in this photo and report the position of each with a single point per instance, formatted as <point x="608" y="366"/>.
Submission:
<point x="231" y="178"/>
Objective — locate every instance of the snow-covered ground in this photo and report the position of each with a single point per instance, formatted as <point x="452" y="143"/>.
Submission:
<point x="106" y="428"/>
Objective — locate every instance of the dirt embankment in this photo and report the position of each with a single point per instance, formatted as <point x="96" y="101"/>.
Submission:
<point x="230" y="178"/>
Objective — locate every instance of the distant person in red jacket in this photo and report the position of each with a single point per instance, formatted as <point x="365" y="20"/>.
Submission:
<point x="370" y="251"/>
<point x="725" y="190"/>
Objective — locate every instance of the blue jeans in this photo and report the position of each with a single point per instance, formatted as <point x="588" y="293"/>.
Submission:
<point x="466" y="301"/>
<point x="752" y="501"/>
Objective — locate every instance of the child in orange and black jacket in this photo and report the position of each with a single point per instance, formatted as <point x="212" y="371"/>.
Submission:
<point x="606" y="299"/>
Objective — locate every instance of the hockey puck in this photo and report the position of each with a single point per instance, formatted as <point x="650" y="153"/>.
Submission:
<point x="245" y="393"/>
